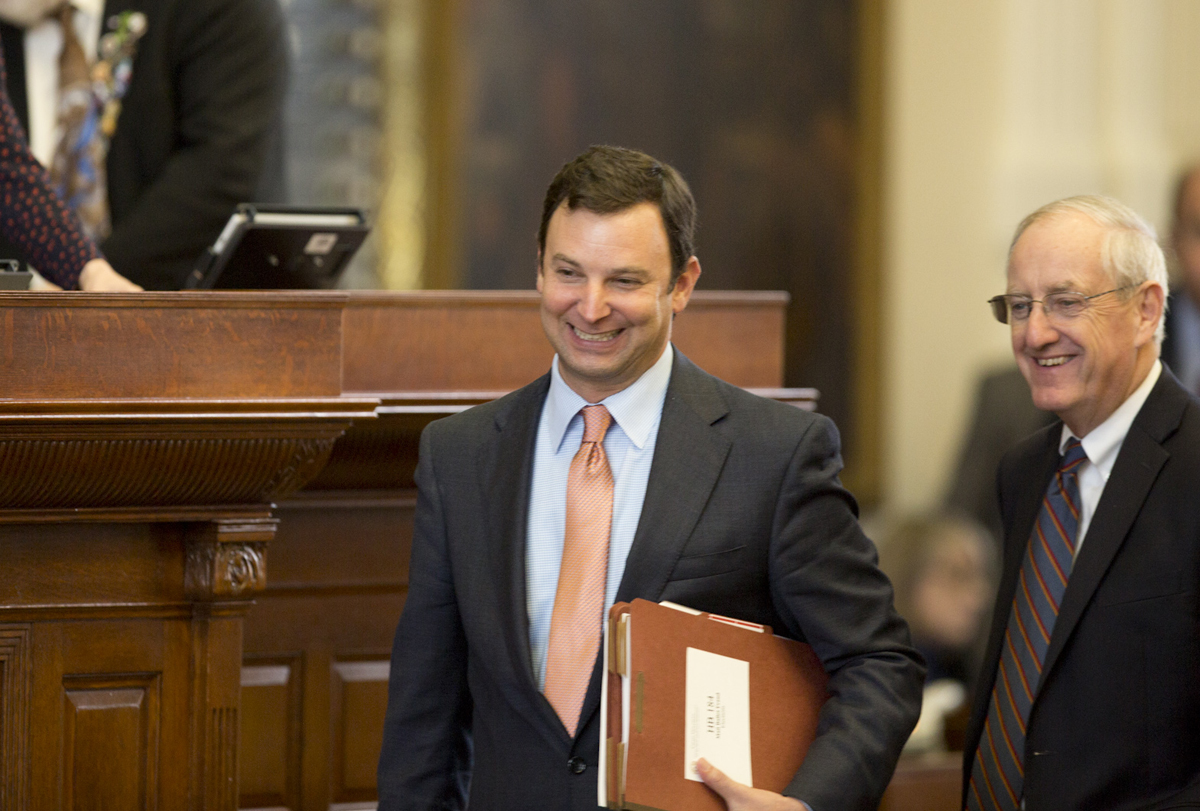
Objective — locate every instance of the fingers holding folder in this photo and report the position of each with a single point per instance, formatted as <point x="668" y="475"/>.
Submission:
<point x="740" y="797"/>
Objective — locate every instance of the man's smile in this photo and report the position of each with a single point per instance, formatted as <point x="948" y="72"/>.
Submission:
<point x="594" y="337"/>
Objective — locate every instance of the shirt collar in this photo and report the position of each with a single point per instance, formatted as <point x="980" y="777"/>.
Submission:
<point x="1103" y="443"/>
<point x="635" y="408"/>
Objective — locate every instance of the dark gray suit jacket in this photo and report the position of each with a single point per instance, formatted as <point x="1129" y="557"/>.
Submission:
<point x="743" y="515"/>
<point x="1116" y="721"/>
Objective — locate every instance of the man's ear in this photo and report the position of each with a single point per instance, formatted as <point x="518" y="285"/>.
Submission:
<point x="539" y="271"/>
<point x="684" y="285"/>
<point x="1150" y="312"/>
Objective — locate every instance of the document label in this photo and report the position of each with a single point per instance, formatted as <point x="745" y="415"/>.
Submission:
<point x="717" y="720"/>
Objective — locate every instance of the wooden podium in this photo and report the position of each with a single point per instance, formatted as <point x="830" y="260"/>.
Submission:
<point x="152" y="448"/>
<point x="319" y="638"/>
<point x="143" y="439"/>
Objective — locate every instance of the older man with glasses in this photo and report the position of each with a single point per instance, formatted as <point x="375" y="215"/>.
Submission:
<point x="1090" y="694"/>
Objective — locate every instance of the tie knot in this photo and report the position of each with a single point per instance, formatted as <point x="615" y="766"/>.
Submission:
<point x="1073" y="455"/>
<point x="596" y="420"/>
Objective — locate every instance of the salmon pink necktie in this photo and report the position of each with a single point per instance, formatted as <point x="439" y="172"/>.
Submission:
<point x="578" y="617"/>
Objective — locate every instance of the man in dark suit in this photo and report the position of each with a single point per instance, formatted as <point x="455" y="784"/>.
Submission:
<point x="721" y="500"/>
<point x="1090" y="697"/>
<point x="196" y="126"/>
<point x="1181" y="347"/>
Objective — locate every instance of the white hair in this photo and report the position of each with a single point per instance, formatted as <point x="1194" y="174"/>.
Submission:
<point x="1130" y="254"/>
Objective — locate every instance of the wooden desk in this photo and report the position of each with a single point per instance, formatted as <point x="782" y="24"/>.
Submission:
<point x="142" y="441"/>
<point x="930" y="782"/>
<point x="319" y="639"/>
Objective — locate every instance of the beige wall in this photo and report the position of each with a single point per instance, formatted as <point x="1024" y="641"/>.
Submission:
<point x="992" y="108"/>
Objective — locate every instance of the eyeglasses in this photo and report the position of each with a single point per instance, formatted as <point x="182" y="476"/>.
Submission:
<point x="1058" y="307"/>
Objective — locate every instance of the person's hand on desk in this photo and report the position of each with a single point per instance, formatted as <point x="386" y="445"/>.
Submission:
<point x="740" y="797"/>
<point x="98" y="276"/>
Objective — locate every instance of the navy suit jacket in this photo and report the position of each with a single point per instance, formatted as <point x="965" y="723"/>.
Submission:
<point x="1116" y="721"/>
<point x="743" y="515"/>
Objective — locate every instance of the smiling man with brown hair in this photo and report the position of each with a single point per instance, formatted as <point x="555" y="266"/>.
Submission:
<point x="625" y="472"/>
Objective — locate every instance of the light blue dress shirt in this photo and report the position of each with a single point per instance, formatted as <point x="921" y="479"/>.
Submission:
<point x="629" y="445"/>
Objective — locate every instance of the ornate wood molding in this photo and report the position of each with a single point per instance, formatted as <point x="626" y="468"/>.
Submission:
<point x="227" y="559"/>
<point x="56" y="454"/>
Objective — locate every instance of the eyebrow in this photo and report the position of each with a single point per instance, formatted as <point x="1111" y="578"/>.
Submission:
<point x="634" y="270"/>
<point x="1058" y="288"/>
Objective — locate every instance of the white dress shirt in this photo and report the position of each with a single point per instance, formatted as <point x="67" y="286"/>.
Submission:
<point x="1102" y="446"/>
<point x="43" y="45"/>
<point x="629" y="444"/>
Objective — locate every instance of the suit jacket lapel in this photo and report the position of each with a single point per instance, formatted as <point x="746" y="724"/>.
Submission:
<point x="505" y="465"/>
<point x="1141" y="458"/>
<point x="688" y="457"/>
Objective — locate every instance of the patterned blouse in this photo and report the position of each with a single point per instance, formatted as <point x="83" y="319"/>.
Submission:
<point x="31" y="215"/>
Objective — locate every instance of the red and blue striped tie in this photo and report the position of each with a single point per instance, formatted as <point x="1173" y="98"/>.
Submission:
<point x="998" y="776"/>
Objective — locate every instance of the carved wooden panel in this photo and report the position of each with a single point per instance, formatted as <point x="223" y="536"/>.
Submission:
<point x="269" y="748"/>
<point x="110" y="742"/>
<point x="155" y="471"/>
<point x="15" y="673"/>
<point x="358" y="704"/>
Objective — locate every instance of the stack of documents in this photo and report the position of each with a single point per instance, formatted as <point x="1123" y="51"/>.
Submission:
<point x="679" y="685"/>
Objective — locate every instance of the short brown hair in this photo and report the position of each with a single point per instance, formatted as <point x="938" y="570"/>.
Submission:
<point x="608" y="179"/>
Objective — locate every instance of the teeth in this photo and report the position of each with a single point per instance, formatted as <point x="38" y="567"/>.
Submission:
<point x="1059" y="361"/>
<point x="601" y="336"/>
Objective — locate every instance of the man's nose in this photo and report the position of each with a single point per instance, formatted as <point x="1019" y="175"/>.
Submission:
<point x="593" y="303"/>
<point x="1039" y="329"/>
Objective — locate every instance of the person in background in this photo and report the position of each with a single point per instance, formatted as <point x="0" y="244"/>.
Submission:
<point x="1181" y="346"/>
<point x="33" y="217"/>
<point x="156" y="118"/>
<point x="626" y="472"/>
<point x="1089" y="696"/>
<point x="943" y="568"/>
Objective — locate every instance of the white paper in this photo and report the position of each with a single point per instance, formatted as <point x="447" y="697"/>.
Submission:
<point x="717" y="721"/>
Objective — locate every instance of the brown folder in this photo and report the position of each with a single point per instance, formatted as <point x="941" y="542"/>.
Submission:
<point x="647" y="649"/>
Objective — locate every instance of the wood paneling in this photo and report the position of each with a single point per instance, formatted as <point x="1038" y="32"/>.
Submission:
<point x="270" y="732"/>
<point x="358" y="702"/>
<point x="443" y="341"/>
<point x="110" y="742"/>
<point x="142" y="440"/>
<point x="110" y="704"/>
<point x="207" y="345"/>
<point x="15" y="675"/>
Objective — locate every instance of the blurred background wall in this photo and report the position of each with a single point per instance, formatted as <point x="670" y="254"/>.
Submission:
<point x="870" y="157"/>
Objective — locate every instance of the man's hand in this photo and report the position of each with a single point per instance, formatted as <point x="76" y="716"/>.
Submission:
<point x="99" y="276"/>
<point x="740" y="797"/>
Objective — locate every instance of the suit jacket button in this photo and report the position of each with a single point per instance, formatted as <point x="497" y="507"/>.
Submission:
<point x="576" y="765"/>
